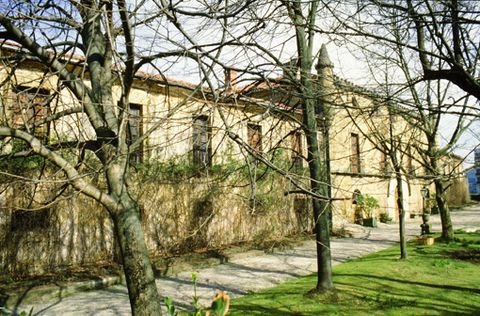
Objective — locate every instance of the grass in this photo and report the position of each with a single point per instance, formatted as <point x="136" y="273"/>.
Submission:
<point x="433" y="281"/>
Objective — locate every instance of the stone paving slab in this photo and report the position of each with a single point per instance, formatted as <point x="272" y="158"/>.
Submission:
<point x="243" y="275"/>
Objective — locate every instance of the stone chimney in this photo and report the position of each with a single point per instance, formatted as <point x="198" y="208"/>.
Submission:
<point x="231" y="77"/>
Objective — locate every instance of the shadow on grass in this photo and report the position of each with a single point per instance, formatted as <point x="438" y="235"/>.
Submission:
<point x="252" y="309"/>
<point x="438" y="286"/>
<point x="364" y="294"/>
<point x="419" y="295"/>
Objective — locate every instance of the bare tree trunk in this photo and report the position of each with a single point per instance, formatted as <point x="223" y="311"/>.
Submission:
<point x="304" y="34"/>
<point x="401" y="211"/>
<point x="447" y="228"/>
<point x="397" y="167"/>
<point x="319" y="186"/>
<point x="321" y="214"/>
<point x="142" y="290"/>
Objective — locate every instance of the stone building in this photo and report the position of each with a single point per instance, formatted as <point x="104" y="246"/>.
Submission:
<point x="196" y="185"/>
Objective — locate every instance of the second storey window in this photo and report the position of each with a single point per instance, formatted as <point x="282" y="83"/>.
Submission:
<point x="297" y="150"/>
<point x="135" y="131"/>
<point x="202" y="150"/>
<point x="30" y="106"/>
<point x="410" y="170"/>
<point x="254" y="136"/>
<point x="384" y="166"/>
<point x="355" y="154"/>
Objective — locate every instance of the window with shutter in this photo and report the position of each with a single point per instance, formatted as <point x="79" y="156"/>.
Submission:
<point x="202" y="151"/>
<point x="254" y="136"/>
<point x="29" y="107"/>
<point x="297" y="150"/>
<point x="384" y="165"/>
<point x="355" y="155"/>
<point x="135" y="131"/>
<point x="410" y="161"/>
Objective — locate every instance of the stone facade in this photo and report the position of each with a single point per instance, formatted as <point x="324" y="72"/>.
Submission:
<point x="193" y="183"/>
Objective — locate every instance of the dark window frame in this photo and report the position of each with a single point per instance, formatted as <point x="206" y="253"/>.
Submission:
<point x="384" y="160"/>
<point x="135" y="131"/>
<point x="355" y="157"/>
<point x="255" y="136"/>
<point x="33" y="105"/>
<point x="297" y="149"/>
<point x="410" y="169"/>
<point x="202" y="141"/>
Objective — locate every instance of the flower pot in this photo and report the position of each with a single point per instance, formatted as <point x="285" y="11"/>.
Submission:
<point x="426" y="240"/>
<point x="370" y="222"/>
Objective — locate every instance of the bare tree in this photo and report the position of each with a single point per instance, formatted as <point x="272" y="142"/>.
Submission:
<point x="440" y="38"/>
<point x="432" y="107"/>
<point x="297" y="90"/>
<point x="431" y="49"/>
<point x="95" y="50"/>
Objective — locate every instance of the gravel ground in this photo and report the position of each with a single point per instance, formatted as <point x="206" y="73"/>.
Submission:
<point x="243" y="275"/>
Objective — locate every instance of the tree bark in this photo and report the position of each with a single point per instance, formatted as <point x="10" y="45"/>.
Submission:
<point x="304" y="38"/>
<point x="319" y="186"/>
<point x="447" y="227"/>
<point x="142" y="290"/>
<point x="320" y="213"/>
<point x="401" y="217"/>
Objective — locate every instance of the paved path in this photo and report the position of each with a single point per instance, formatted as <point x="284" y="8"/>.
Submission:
<point x="243" y="275"/>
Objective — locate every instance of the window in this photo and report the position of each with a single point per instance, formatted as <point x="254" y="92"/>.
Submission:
<point x="297" y="150"/>
<point x="202" y="151"/>
<point x="384" y="166"/>
<point x="254" y="136"/>
<point x="30" y="105"/>
<point x="26" y="220"/>
<point x="410" y="161"/>
<point x="355" y="155"/>
<point x="135" y="131"/>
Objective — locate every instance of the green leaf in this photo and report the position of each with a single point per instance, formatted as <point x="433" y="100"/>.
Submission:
<point x="170" y="307"/>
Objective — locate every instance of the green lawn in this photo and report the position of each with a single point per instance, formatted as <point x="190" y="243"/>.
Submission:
<point x="430" y="282"/>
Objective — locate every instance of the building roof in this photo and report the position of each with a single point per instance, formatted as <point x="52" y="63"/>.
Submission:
<point x="13" y="47"/>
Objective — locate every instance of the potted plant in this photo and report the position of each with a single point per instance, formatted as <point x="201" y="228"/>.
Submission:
<point x="367" y="204"/>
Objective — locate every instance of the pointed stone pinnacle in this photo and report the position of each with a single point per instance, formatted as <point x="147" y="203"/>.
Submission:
<point x="323" y="58"/>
